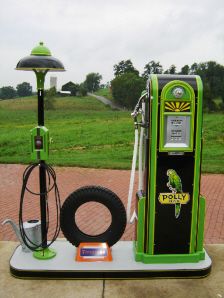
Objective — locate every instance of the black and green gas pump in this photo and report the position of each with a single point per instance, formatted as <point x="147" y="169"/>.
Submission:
<point x="40" y="61"/>
<point x="171" y="210"/>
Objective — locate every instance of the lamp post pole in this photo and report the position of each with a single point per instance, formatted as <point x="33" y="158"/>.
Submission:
<point x="41" y="61"/>
<point x="42" y="172"/>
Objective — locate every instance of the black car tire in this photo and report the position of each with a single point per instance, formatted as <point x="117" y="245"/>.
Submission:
<point x="93" y="194"/>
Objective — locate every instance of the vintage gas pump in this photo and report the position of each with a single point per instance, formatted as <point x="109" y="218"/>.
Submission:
<point x="171" y="210"/>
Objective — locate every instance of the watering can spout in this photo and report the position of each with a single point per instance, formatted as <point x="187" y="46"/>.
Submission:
<point x="32" y="231"/>
<point x="16" y="230"/>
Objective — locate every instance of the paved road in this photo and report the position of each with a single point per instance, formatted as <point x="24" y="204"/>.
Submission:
<point x="94" y="218"/>
<point x="106" y="101"/>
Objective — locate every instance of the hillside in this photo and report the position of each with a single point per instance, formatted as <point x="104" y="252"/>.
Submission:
<point x="87" y="133"/>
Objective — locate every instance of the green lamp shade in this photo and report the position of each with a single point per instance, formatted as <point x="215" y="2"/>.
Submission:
<point x="40" y="59"/>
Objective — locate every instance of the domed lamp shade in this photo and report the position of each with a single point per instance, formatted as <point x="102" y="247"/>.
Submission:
<point x="40" y="61"/>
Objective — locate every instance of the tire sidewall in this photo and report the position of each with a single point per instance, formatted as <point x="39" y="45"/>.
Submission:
<point x="100" y="195"/>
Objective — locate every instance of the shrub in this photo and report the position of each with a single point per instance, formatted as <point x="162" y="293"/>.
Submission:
<point x="127" y="88"/>
<point x="49" y="100"/>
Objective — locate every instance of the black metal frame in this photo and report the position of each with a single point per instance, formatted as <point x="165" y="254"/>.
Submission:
<point x="42" y="174"/>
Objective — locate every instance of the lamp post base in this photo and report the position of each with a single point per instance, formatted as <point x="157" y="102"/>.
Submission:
<point x="45" y="254"/>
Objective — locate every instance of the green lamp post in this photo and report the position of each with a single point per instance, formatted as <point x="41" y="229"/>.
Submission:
<point x="41" y="61"/>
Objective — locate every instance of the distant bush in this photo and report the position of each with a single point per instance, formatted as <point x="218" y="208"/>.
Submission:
<point x="24" y="89"/>
<point x="82" y="89"/>
<point x="49" y="101"/>
<point x="127" y="88"/>
<point x="92" y="81"/>
<point x="7" y="92"/>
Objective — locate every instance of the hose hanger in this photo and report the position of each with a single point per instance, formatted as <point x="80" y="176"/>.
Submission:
<point x="139" y="109"/>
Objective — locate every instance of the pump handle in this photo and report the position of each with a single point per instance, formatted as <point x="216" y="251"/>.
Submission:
<point x="137" y="110"/>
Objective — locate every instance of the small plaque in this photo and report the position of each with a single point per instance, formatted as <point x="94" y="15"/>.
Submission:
<point x="177" y="132"/>
<point x="93" y="251"/>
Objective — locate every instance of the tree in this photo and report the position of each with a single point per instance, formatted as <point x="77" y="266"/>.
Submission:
<point x="72" y="87"/>
<point x="185" y="70"/>
<point x="24" y="89"/>
<point x="152" y="67"/>
<point x="171" y="70"/>
<point x="49" y="101"/>
<point x="194" y="68"/>
<point x="127" y="88"/>
<point x="82" y="89"/>
<point x="92" y="81"/>
<point x="7" y="92"/>
<point x="212" y="75"/>
<point x="124" y="66"/>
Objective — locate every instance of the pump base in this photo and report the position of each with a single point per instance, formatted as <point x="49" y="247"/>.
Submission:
<point x="123" y="266"/>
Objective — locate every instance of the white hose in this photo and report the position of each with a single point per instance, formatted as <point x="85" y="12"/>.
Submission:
<point x="140" y="167"/>
<point x="132" y="178"/>
<point x="140" y="152"/>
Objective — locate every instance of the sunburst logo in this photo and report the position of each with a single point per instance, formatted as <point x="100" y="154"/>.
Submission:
<point x="177" y="106"/>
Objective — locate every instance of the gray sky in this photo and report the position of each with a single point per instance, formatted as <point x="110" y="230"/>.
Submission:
<point x="92" y="36"/>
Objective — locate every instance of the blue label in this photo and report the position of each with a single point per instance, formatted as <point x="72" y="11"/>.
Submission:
<point x="93" y="252"/>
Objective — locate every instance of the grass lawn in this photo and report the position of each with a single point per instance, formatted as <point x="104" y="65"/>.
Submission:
<point x="104" y="92"/>
<point x="86" y="133"/>
<point x="213" y="143"/>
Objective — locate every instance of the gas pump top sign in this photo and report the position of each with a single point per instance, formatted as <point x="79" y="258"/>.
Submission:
<point x="176" y="115"/>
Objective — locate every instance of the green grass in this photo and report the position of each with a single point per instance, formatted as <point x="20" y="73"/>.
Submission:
<point x="104" y="92"/>
<point x="87" y="133"/>
<point x="213" y="143"/>
<point x="218" y="100"/>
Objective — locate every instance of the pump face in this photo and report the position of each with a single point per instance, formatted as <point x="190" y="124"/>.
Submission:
<point x="168" y="221"/>
<point x="177" y="117"/>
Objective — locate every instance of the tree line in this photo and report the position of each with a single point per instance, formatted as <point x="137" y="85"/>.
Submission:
<point x="91" y="84"/>
<point x="128" y="82"/>
<point x="23" y="89"/>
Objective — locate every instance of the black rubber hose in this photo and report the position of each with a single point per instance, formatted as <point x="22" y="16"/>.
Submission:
<point x="51" y="177"/>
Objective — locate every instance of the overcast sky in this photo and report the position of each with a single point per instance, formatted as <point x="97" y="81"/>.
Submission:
<point x="92" y="36"/>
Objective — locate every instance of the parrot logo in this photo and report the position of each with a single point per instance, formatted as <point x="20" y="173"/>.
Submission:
<point x="174" y="184"/>
<point x="176" y="197"/>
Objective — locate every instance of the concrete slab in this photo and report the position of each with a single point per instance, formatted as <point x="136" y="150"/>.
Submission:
<point x="211" y="286"/>
<point x="12" y="287"/>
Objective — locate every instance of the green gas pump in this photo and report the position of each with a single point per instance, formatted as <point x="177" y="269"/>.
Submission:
<point x="171" y="211"/>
